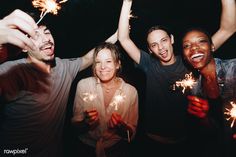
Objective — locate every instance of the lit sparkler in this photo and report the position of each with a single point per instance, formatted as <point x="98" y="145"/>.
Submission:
<point x="47" y="6"/>
<point x="117" y="100"/>
<point x="187" y="82"/>
<point x="131" y="15"/>
<point x="89" y="97"/>
<point x="231" y="112"/>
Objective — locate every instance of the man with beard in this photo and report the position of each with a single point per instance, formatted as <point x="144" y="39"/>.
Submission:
<point x="34" y="93"/>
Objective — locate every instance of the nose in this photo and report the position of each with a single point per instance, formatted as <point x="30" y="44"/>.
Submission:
<point x="160" y="46"/>
<point x="41" y="36"/>
<point x="103" y="65"/>
<point x="194" y="46"/>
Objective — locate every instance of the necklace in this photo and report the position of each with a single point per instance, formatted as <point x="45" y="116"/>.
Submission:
<point x="109" y="88"/>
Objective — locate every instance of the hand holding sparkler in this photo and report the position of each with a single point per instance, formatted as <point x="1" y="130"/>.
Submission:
<point x="197" y="106"/>
<point x="47" y="6"/>
<point x="116" y="122"/>
<point x="13" y="28"/>
<point x="91" y="118"/>
<point x="187" y="82"/>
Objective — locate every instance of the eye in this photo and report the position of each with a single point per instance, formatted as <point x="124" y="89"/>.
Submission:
<point x="186" y="46"/>
<point x="47" y="32"/>
<point x="203" y="41"/>
<point x="153" y="45"/>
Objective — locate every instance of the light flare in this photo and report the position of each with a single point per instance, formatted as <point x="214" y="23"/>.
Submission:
<point x="89" y="98"/>
<point x="47" y="6"/>
<point x="187" y="82"/>
<point x="231" y="112"/>
<point x="118" y="99"/>
<point x="131" y="15"/>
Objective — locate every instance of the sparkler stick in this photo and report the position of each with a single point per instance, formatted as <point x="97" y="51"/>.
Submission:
<point x="187" y="82"/>
<point x="47" y="6"/>
<point x="128" y="136"/>
<point x="232" y="113"/>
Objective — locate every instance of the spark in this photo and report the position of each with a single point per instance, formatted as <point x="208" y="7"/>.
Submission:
<point x="131" y="15"/>
<point x="187" y="82"/>
<point x="231" y="113"/>
<point x="47" y="6"/>
<point x="117" y="100"/>
<point x="88" y="97"/>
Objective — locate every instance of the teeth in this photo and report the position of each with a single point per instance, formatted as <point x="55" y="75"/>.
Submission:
<point x="197" y="55"/>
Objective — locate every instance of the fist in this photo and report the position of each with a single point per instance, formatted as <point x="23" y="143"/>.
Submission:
<point x="197" y="106"/>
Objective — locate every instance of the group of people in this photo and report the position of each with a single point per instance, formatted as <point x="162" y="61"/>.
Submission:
<point x="34" y="92"/>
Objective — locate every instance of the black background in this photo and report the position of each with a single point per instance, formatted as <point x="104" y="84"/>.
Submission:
<point x="82" y="24"/>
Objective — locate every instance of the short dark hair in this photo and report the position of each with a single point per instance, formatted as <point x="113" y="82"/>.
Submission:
<point x="158" y="27"/>
<point x="199" y="29"/>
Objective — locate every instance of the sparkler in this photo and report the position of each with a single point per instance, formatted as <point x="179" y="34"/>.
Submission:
<point x="89" y="97"/>
<point x="117" y="100"/>
<point x="131" y="15"/>
<point x="187" y="82"/>
<point x="231" y="113"/>
<point x="47" y="6"/>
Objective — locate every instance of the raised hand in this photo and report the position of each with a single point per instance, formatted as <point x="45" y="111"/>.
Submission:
<point x="17" y="28"/>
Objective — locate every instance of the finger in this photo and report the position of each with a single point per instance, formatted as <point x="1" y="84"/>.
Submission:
<point x="19" y="14"/>
<point x="19" y="39"/>
<point x="22" y="24"/>
<point x="195" y="108"/>
<point x="202" y="106"/>
<point x="197" y="114"/>
<point x="196" y="99"/>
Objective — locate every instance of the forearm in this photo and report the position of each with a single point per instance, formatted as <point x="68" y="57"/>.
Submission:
<point x="227" y="23"/>
<point x="123" y="27"/>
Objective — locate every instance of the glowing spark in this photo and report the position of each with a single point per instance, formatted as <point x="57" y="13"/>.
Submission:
<point x="132" y="16"/>
<point x="187" y="82"/>
<point x="88" y="97"/>
<point x="47" y="6"/>
<point x="117" y="100"/>
<point x="232" y="113"/>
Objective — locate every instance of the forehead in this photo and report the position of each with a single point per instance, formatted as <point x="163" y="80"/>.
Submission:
<point x="104" y="54"/>
<point x="157" y="35"/>
<point x="42" y="28"/>
<point x="194" y="34"/>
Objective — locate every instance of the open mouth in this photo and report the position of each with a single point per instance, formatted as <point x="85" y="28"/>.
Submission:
<point x="197" y="57"/>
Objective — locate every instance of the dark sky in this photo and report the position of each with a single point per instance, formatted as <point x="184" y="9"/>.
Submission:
<point x="81" y="24"/>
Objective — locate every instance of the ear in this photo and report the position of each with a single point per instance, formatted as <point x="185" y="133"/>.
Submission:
<point x="172" y="39"/>
<point x="118" y="65"/>
<point x="150" y="51"/>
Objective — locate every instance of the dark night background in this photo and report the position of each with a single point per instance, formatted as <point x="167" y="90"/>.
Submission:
<point x="82" y="24"/>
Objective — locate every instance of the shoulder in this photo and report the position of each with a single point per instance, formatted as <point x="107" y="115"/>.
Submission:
<point x="129" y="87"/>
<point x="87" y="81"/>
<point x="9" y="64"/>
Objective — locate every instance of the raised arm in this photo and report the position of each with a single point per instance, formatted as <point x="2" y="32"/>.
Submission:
<point x="227" y="23"/>
<point x="12" y="28"/>
<point x="87" y="59"/>
<point x="123" y="32"/>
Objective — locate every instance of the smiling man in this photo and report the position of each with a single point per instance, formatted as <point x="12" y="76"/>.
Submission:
<point x="34" y="93"/>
